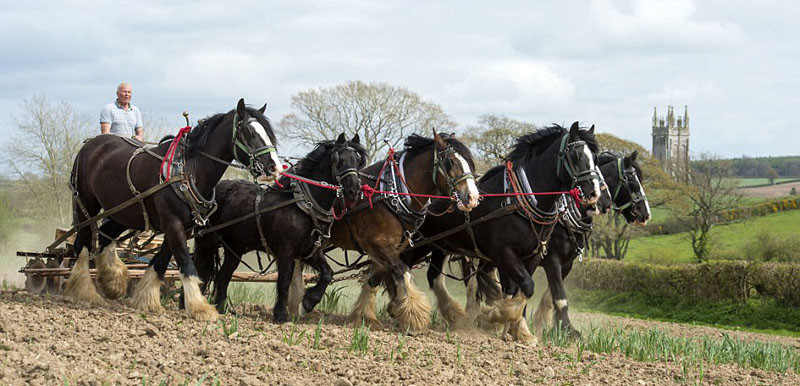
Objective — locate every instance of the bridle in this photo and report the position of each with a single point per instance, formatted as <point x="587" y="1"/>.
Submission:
<point x="254" y="166"/>
<point x="564" y="159"/>
<point x="440" y="158"/>
<point x="625" y="177"/>
<point x="340" y="175"/>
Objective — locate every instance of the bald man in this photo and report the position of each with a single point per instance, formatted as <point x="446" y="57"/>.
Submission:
<point x="121" y="117"/>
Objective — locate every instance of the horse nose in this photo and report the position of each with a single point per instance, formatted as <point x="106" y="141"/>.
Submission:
<point x="473" y="200"/>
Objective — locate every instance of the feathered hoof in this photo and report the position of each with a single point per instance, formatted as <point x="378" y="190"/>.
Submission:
<point x="412" y="311"/>
<point x="358" y="319"/>
<point x="454" y="315"/>
<point x="196" y="305"/>
<point x="512" y="309"/>
<point x="519" y="332"/>
<point x="364" y="309"/>
<point x="112" y="274"/>
<point x="202" y="312"/>
<point x="80" y="286"/>
<point x="147" y="293"/>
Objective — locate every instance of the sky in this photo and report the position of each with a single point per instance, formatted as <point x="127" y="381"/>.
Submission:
<point x="735" y="64"/>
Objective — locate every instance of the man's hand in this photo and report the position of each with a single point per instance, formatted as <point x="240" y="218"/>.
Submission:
<point x="139" y="137"/>
<point x="139" y="134"/>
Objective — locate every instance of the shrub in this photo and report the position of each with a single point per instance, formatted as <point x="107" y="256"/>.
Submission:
<point x="710" y="281"/>
<point x="770" y="247"/>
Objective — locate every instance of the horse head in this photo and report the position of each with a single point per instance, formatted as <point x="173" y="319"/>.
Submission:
<point x="347" y="157"/>
<point x="637" y="208"/>
<point x="577" y="162"/>
<point x="453" y="166"/>
<point x="254" y="143"/>
<point x="624" y="177"/>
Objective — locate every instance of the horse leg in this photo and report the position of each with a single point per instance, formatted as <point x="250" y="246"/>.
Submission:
<point x="409" y="306"/>
<point x="112" y="273"/>
<point x="365" y="310"/>
<point x="314" y="295"/>
<point x="280" y="312"/>
<point x="223" y="279"/>
<point x="79" y="285"/>
<point x="448" y="308"/>
<point x="297" y="288"/>
<point x="560" y="300"/>
<point x="147" y="292"/>
<point x="510" y="310"/>
<point x="196" y="305"/>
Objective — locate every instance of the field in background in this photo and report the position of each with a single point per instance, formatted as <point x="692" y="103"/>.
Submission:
<point x="731" y="238"/>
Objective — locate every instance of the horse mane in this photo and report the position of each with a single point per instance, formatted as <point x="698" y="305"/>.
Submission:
<point x="314" y="158"/>
<point x="197" y="138"/>
<point x="609" y="156"/>
<point x="416" y="144"/>
<point x="529" y="145"/>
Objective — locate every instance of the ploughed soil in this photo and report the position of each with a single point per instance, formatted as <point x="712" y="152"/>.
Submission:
<point x="51" y="340"/>
<point x="771" y="191"/>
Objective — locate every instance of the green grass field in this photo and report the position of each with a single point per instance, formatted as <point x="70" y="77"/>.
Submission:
<point x="746" y="182"/>
<point x="731" y="239"/>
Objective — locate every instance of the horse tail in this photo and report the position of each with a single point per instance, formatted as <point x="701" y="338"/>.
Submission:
<point x="84" y="236"/>
<point x="206" y="258"/>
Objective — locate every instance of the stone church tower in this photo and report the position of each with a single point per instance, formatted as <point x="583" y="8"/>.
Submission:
<point x="671" y="142"/>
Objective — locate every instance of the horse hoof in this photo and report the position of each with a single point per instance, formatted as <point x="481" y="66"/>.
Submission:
<point x="373" y="324"/>
<point x="205" y="313"/>
<point x="112" y="274"/>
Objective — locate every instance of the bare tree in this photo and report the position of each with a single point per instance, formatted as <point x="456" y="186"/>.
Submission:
<point x="493" y="137"/>
<point x="374" y="111"/>
<point x="42" y="150"/>
<point x="710" y="191"/>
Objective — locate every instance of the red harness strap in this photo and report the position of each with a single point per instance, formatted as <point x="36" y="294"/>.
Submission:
<point x="170" y="155"/>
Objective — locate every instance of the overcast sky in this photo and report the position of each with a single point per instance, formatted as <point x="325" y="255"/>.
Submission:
<point x="736" y="64"/>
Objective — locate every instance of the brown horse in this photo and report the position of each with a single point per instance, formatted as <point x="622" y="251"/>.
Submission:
<point x="110" y="170"/>
<point x="434" y="166"/>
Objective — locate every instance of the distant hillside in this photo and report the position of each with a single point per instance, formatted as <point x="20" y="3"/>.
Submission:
<point x="760" y="167"/>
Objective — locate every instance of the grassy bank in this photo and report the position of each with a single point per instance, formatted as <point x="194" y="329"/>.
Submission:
<point x="730" y="238"/>
<point x="755" y="315"/>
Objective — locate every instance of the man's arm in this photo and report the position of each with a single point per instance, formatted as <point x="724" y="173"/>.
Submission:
<point x="139" y="132"/>
<point x="106" y="117"/>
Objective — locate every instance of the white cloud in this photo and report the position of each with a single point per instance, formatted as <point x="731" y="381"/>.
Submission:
<point x="511" y="86"/>
<point x="661" y="23"/>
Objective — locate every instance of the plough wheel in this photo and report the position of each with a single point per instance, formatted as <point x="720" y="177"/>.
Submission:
<point x="35" y="283"/>
<point x="55" y="284"/>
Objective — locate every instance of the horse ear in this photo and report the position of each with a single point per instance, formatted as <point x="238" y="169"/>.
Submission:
<point x="341" y="140"/>
<point x="240" y="109"/>
<point x="440" y="143"/>
<point x="634" y="155"/>
<point x="628" y="161"/>
<point x="574" y="129"/>
<point x="591" y="130"/>
<point x="453" y="135"/>
<point x="264" y="108"/>
<point x="356" y="139"/>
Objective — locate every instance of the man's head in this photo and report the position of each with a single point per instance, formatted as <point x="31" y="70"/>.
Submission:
<point x="124" y="93"/>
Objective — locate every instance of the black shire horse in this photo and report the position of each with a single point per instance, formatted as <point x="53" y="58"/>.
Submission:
<point x="289" y="232"/>
<point x="109" y="170"/>
<point x="554" y="159"/>
<point x="623" y="176"/>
